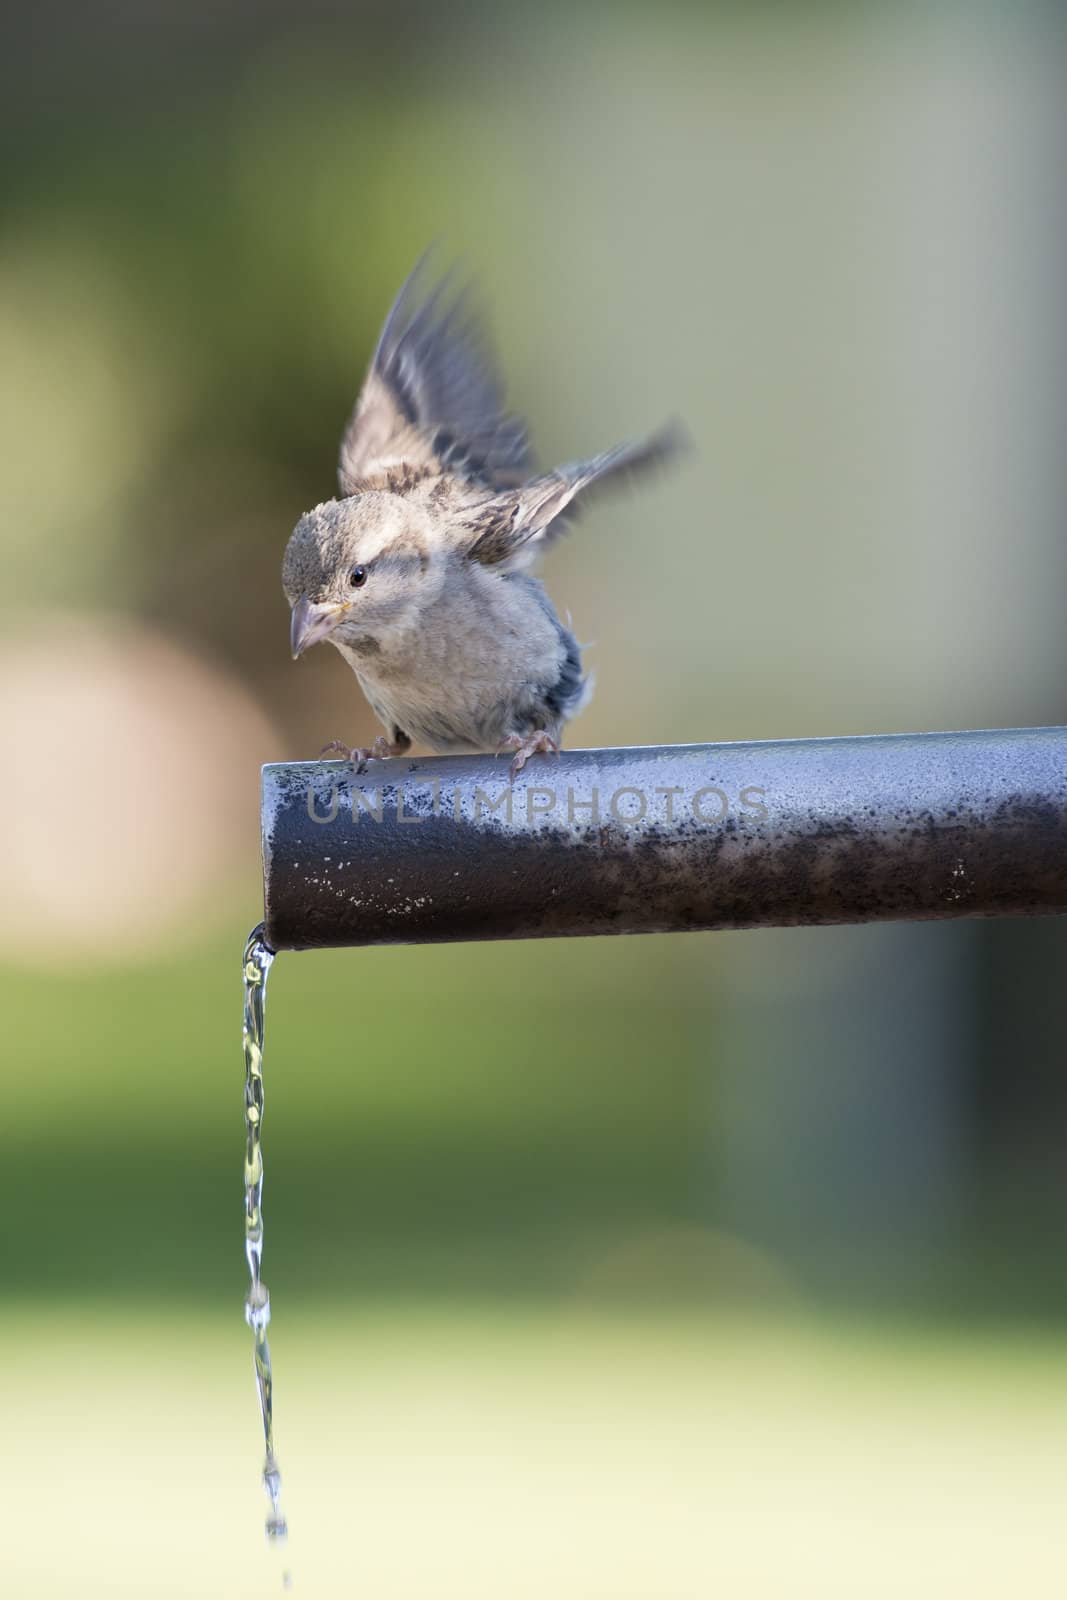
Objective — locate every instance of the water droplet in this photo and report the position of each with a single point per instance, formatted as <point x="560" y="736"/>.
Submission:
<point x="257" y="1308"/>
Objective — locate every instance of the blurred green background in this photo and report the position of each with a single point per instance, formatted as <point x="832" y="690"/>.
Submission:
<point x="599" y="1268"/>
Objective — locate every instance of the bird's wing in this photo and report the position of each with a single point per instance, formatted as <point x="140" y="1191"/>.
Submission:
<point x="432" y="400"/>
<point x="509" y="527"/>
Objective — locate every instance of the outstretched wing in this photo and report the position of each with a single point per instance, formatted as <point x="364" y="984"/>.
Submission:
<point x="432" y="400"/>
<point x="511" y="526"/>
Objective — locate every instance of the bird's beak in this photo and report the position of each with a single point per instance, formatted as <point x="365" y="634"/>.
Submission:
<point x="310" y="623"/>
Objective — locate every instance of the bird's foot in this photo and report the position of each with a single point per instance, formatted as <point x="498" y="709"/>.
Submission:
<point x="527" y="745"/>
<point x="360" y="754"/>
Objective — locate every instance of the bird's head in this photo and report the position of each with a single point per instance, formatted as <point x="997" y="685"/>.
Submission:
<point x="359" y="571"/>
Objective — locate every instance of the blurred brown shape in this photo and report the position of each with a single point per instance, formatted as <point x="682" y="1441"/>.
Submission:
<point x="132" y="793"/>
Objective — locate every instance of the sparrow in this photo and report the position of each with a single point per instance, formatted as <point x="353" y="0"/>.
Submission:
<point x="418" y="573"/>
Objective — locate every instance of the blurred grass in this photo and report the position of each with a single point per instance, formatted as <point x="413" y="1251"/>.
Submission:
<point x="537" y="1120"/>
<point x="445" y="1114"/>
<point x="477" y="1452"/>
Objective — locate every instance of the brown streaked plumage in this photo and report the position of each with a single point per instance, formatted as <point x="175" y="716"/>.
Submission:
<point x="418" y="572"/>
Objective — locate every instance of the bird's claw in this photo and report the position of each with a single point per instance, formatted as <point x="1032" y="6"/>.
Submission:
<point x="525" y="746"/>
<point x="360" y="754"/>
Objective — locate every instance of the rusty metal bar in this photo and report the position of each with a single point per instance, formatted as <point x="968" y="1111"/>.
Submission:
<point x="664" y="839"/>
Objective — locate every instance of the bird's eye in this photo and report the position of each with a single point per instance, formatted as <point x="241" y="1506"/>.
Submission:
<point x="357" y="577"/>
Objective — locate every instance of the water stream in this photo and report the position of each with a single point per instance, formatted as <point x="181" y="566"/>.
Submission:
<point x="257" y="964"/>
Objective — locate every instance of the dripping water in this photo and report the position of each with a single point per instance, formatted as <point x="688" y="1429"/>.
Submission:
<point x="257" y="964"/>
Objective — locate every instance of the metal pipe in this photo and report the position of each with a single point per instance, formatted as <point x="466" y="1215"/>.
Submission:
<point x="664" y="839"/>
